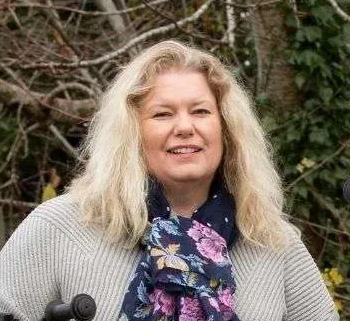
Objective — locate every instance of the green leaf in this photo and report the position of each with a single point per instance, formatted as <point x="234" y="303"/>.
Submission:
<point x="320" y="135"/>
<point x="324" y="14"/>
<point x="269" y="123"/>
<point x="326" y="95"/>
<point x="302" y="191"/>
<point x="311" y="59"/>
<point x="312" y="33"/>
<point x="262" y="100"/>
<point x="300" y="79"/>
<point x="293" y="136"/>
<point x="346" y="33"/>
<point x="328" y="177"/>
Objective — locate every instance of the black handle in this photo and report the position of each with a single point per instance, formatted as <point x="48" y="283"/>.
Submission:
<point x="7" y="317"/>
<point x="82" y="308"/>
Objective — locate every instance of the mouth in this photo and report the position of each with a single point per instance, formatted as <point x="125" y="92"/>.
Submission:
<point x="184" y="150"/>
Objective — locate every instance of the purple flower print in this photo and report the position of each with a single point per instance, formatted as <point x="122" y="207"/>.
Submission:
<point x="211" y="249"/>
<point x="163" y="302"/>
<point x="226" y="303"/>
<point x="199" y="231"/>
<point x="209" y="243"/>
<point x="190" y="310"/>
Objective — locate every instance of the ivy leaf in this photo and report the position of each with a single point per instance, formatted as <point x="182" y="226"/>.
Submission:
<point x="312" y="33"/>
<point x="269" y="123"/>
<point x="302" y="191"/>
<point x="324" y="14"/>
<point x="311" y="59"/>
<point x="300" y="79"/>
<point x="320" y="135"/>
<point x="326" y="95"/>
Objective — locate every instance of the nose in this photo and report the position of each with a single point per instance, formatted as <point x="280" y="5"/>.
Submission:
<point x="184" y="126"/>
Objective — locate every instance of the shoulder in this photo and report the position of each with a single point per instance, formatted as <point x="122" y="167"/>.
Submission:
<point x="250" y="259"/>
<point x="58" y="218"/>
<point x="58" y="211"/>
<point x="247" y="251"/>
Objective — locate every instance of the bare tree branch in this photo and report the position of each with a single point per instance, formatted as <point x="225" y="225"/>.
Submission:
<point x="339" y="11"/>
<point x="133" y="42"/>
<point x="72" y="151"/>
<point x="18" y="203"/>
<point x="83" y="12"/>
<point x="192" y="34"/>
<point x="231" y="25"/>
<point x="73" y="109"/>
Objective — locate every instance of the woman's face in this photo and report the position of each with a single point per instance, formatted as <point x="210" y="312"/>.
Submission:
<point x="181" y="129"/>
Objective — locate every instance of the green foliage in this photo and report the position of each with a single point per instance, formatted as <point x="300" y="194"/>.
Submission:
<point x="318" y="130"/>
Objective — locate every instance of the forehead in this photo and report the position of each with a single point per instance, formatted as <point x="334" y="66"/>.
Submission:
<point x="180" y="85"/>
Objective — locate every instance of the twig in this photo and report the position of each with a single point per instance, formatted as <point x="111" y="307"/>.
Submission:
<point x="20" y="94"/>
<point x="83" y="12"/>
<point x="15" y="146"/>
<point x="329" y="229"/>
<point x="319" y="165"/>
<point x="69" y="85"/>
<point x="252" y="6"/>
<point x="330" y="207"/>
<point x="175" y="22"/>
<point x="259" y="72"/>
<point x="339" y="11"/>
<point x="325" y="239"/>
<point x="231" y="25"/>
<point x="133" y="42"/>
<point x="64" y="142"/>
<point x="18" y="203"/>
<point x="13" y="13"/>
<point x="74" y="51"/>
<point x="341" y="296"/>
<point x="22" y="131"/>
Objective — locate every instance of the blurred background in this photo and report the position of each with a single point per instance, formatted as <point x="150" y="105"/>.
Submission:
<point x="293" y="57"/>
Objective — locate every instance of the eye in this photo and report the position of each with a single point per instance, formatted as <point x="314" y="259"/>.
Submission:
<point x="202" y="111"/>
<point x="162" y="114"/>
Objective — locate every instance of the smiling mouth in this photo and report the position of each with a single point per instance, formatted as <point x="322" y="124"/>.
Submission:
<point x="184" y="150"/>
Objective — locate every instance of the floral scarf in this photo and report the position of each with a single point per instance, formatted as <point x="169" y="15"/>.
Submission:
<point x="185" y="273"/>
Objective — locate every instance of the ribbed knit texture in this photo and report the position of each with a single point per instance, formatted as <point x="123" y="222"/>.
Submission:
<point x="52" y="255"/>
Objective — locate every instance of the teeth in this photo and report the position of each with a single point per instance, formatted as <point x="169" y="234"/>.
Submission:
<point x="184" y="150"/>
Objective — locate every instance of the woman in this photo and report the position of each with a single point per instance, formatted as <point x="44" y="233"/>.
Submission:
<point x="176" y="162"/>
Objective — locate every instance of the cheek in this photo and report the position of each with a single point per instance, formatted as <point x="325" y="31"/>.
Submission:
<point x="152" y="144"/>
<point x="217" y="138"/>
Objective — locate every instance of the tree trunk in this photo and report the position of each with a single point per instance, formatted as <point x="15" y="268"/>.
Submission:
<point x="275" y="75"/>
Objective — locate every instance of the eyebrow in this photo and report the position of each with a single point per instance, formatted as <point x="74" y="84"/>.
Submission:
<point x="168" y="105"/>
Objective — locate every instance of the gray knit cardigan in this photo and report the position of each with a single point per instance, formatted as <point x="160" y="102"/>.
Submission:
<point x="52" y="255"/>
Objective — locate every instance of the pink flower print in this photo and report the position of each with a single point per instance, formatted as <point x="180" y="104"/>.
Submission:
<point x="211" y="249"/>
<point x="226" y="303"/>
<point x="195" y="231"/>
<point x="190" y="310"/>
<point x="199" y="231"/>
<point x="163" y="301"/>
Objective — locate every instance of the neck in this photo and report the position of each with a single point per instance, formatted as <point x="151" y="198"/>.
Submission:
<point x="185" y="198"/>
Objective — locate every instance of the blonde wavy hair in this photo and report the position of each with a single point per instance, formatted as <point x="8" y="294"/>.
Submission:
<point x="112" y="187"/>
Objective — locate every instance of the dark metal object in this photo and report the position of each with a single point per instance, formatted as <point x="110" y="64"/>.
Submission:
<point x="82" y="308"/>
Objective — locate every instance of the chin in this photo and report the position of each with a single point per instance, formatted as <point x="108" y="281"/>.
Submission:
<point x="190" y="177"/>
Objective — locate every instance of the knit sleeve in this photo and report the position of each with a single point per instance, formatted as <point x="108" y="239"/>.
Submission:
<point x="306" y="295"/>
<point x="27" y="270"/>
